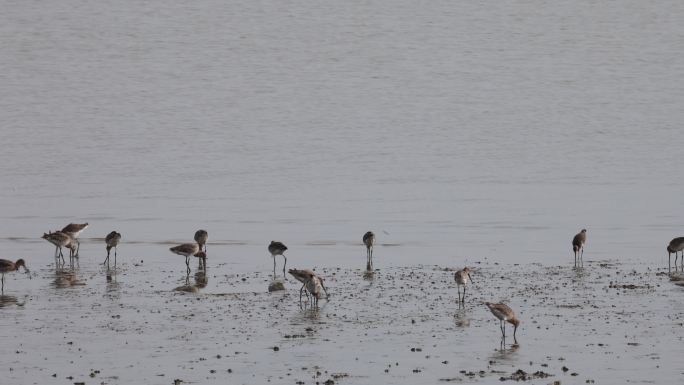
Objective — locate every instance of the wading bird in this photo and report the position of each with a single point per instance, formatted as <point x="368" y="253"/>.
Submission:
<point x="303" y="276"/>
<point x="9" y="266"/>
<point x="676" y="245"/>
<point x="277" y="248"/>
<point x="112" y="240"/>
<point x="504" y="314"/>
<point x="187" y="250"/>
<point x="60" y="239"/>
<point x="201" y="237"/>
<point x="202" y="260"/>
<point x="462" y="277"/>
<point x="74" y="230"/>
<point x="578" y="246"/>
<point x="369" y="240"/>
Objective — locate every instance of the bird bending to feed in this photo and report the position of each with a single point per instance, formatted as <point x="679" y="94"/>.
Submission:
<point x="314" y="285"/>
<point x="578" y="246"/>
<point x="74" y="230"/>
<point x="504" y="314"/>
<point x="303" y="276"/>
<point x="60" y="239"/>
<point x="277" y="248"/>
<point x="676" y="245"/>
<point x="9" y="266"/>
<point x="462" y="277"/>
<point x="112" y="240"/>
<point x="202" y="260"/>
<point x="369" y="240"/>
<point x="187" y="250"/>
<point x="201" y="237"/>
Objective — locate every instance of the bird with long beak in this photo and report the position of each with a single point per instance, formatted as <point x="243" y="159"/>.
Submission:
<point x="676" y="245"/>
<point x="462" y="277"/>
<point x="304" y="276"/>
<point x="504" y="314"/>
<point x="9" y="266"/>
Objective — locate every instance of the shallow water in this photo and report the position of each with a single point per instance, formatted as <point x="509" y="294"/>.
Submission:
<point x="402" y="325"/>
<point x="458" y="132"/>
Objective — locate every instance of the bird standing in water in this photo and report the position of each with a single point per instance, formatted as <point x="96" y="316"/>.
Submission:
<point x="504" y="314"/>
<point x="676" y="245"/>
<point x="303" y="276"/>
<point x="74" y="230"/>
<point x="369" y="240"/>
<point x="112" y="240"/>
<point x="462" y="277"/>
<point x="187" y="250"/>
<point x="9" y="266"/>
<point x="578" y="246"/>
<point x="277" y="248"/>
<point x="201" y="237"/>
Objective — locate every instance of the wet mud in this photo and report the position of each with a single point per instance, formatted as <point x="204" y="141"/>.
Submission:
<point x="610" y="322"/>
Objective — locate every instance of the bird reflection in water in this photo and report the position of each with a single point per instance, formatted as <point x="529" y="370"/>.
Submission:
<point x="201" y="279"/>
<point x="8" y="300"/>
<point x="461" y="318"/>
<point x="66" y="277"/>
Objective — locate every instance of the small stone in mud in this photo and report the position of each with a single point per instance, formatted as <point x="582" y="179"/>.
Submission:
<point x="565" y="368"/>
<point x="276" y="286"/>
<point x="275" y="349"/>
<point x="177" y="382"/>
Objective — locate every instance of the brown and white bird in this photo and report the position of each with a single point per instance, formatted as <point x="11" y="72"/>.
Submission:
<point x="676" y="245"/>
<point x="60" y="239"/>
<point x="277" y="248"/>
<point x="369" y="240"/>
<point x="462" y="277"/>
<point x="202" y="256"/>
<point x="74" y="230"/>
<point x="303" y="276"/>
<point x="578" y="246"/>
<point x="201" y="237"/>
<point x="504" y="314"/>
<point x="112" y="240"/>
<point x="187" y="250"/>
<point x="9" y="266"/>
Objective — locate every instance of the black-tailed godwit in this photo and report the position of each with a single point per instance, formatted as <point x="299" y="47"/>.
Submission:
<point x="277" y="248"/>
<point x="578" y="246"/>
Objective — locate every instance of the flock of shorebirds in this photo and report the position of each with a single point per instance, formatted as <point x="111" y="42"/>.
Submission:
<point x="312" y="283"/>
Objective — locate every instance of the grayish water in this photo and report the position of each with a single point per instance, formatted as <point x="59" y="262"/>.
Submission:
<point x="457" y="131"/>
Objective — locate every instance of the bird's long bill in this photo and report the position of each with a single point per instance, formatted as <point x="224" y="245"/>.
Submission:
<point x="470" y="278"/>
<point x="327" y="296"/>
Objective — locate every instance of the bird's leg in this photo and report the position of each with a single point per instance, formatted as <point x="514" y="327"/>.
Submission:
<point x="3" y="283"/>
<point x="114" y="257"/>
<point x="676" y="256"/>
<point x="300" y="295"/>
<point x="78" y="247"/>
<point x="274" y="266"/>
<point x="464" y="289"/>
<point x="106" y="261"/>
<point x="187" y="264"/>
<point x="285" y="264"/>
<point x="669" y="263"/>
